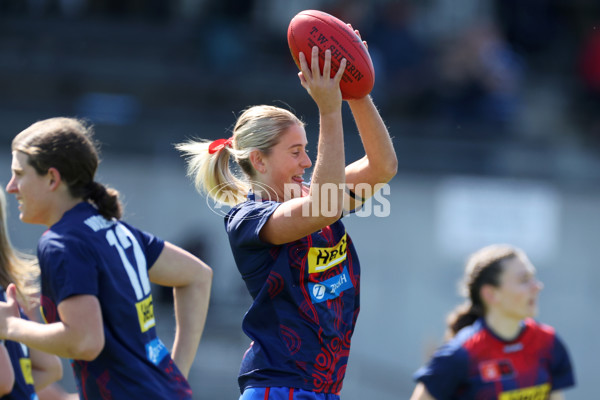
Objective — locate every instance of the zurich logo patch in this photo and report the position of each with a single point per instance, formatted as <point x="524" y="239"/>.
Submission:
<point x="330" y="288"/>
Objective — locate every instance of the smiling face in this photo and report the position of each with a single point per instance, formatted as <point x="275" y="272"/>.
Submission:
<point x="283" y="168"/>
<point x="516" y="296"/>
<point x="30" y="189"/>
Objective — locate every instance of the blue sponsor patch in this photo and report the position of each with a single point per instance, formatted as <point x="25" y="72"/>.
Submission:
<point x="156" y="351"/>
<point x="331" y="288"/>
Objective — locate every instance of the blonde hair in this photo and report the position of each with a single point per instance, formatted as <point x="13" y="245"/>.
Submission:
<point x="16" y="267"/>
<point x="257" y="128"/>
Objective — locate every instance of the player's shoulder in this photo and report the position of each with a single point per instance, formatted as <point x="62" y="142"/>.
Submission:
<point x="470" y="332"/>
<point x="463" y="340"/>
<point x="248" y="212"/>
<point x="57" y="243"/>
<point x="65" y="234"/>
<point x="539" y="329"/>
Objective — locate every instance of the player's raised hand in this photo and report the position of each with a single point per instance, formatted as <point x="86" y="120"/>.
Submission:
<point x="324" y="89"/>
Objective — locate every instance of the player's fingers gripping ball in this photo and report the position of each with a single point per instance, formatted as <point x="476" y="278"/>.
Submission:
<point x="311" y="28"/>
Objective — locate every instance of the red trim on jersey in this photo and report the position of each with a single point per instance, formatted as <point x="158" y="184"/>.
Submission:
<point x="267" y="390"/>
<point x="304" y="285"/>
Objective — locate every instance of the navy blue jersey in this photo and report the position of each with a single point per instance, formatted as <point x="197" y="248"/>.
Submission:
<point x="85" y="254"/>
<point x="306" y="302"/>
<point x="21" y="364"/>
<point x="478" y="365"/>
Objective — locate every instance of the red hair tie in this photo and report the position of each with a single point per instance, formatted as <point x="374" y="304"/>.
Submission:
<point x="218" y="145"/>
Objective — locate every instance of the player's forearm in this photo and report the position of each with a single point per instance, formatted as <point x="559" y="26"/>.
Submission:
<point x="45" y="368"/>
<point x="191" y="309"/>
<point x="375" y="138"/>
<point x="330" y="164"/>
<point x="54" y="338"/>
<point x="43" y="378"/>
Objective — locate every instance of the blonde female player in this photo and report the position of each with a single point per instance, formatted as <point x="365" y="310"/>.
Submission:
<point x="496" y="350"/>
<point x="290" y="246"/>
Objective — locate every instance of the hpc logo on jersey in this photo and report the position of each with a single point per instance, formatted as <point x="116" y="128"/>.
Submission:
<point x="322" y="258"/>
<point x="539" y="392"/>
<point x="145" y="311"/>
<point x="330" y="288"/>
<point x="26" y="370"/>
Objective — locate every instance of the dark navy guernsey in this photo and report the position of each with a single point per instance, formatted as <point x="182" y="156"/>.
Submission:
<point x="23" y="388"/>
<point x="85" y="254"/>
<point x="306" y="302"/>
<point x="478" y="365"/>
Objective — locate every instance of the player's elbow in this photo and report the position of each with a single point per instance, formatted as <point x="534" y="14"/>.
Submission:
<point x="200" y="279"/>
<point x="89" y="353"/>
<point x="205" y="275"/>
<point x="92" y="351"/>
<point x="389" y="169"/>
<point x="87" y="349"/>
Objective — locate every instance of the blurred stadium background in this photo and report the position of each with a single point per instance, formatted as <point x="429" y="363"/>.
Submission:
<point x="494" y="110"/>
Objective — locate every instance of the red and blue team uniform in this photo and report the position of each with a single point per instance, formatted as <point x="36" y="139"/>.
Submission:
<point x="23" y="388"/>
<point x="305" y="303"/>
<point x="476" y="364"/>
<point x="85" y="254"/>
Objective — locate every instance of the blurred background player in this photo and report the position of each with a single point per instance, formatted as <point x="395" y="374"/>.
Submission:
<point x="290" y="246"/>
<point x="495" y="349"/>
<point x="23" y="371"/>
<point x="96" y="272"/>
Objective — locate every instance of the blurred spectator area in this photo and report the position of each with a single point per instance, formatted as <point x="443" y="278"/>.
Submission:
<point x="462" y="84"/>
<point x="480" y="88"/>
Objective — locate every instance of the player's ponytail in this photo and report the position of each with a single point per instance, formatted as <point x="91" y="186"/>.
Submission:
<point x="464" y="315"/>
<point x="211" y="173"/>
<point x="208" y="163"/>
<point x="484" y="267"/>
<point x="106" y="200"/>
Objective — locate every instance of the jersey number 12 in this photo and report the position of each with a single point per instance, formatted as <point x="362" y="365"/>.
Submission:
<point x="122" y="239"/>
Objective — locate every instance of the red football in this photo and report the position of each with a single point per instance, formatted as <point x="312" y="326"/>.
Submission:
<point x="311" y="28"/>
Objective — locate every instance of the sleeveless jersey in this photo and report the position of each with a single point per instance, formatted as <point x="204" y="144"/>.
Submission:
<point x="85" y="254"/>
<point x="305" y="302"/>
<point x="478" y="365"/>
